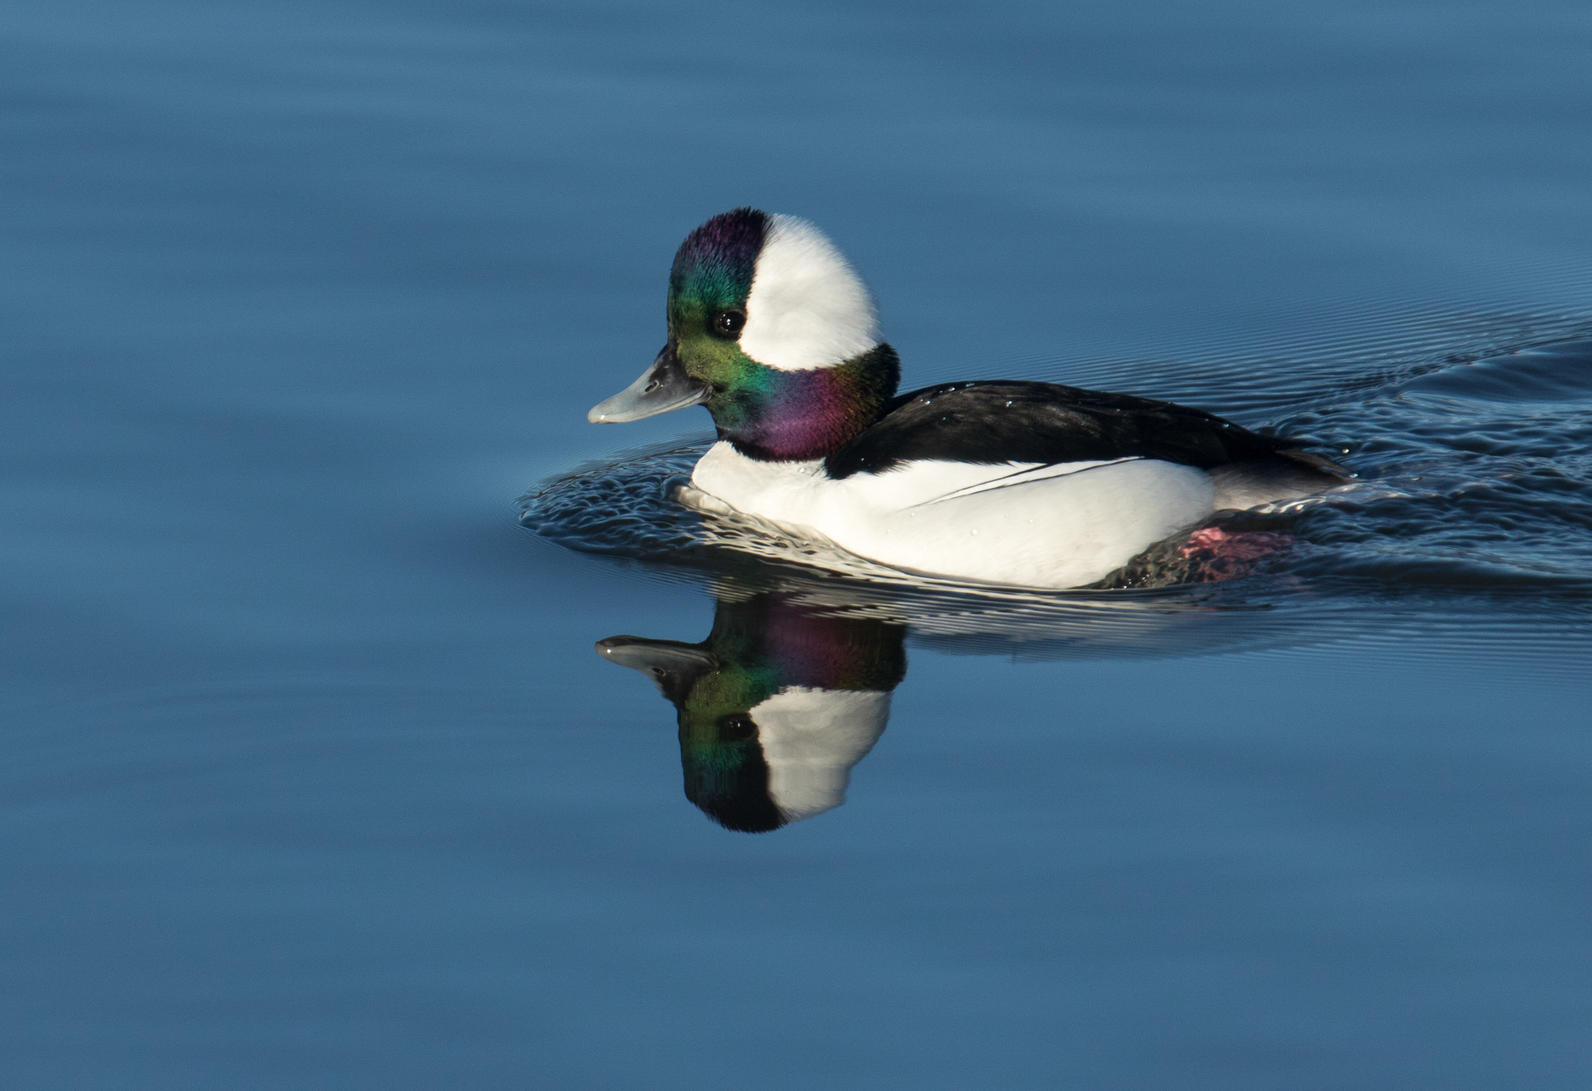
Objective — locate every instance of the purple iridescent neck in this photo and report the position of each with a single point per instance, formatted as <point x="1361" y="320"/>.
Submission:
<point x="786" y="416"/>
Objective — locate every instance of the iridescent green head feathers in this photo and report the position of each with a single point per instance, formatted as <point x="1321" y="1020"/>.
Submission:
<point x="776" y="286"/>
<point x="772" y="330"/>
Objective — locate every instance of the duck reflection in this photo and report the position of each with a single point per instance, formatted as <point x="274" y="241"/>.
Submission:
<point x="775" y="706"/>
<point x="792" y="687"/>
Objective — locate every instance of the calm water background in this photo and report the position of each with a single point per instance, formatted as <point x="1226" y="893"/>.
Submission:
<point x="312" y="776"/>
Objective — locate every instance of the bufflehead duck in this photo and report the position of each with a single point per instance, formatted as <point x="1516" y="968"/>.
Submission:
<point x="1004" y="482"/>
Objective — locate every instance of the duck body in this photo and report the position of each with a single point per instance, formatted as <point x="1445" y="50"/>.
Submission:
<point x="1006" y="482"/>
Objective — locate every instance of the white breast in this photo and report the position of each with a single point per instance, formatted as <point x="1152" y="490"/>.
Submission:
<point x="1035" y="525"/>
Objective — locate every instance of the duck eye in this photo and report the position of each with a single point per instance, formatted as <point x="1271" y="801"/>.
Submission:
<point x="736" y="727"/>
<point x="728" y="324"/>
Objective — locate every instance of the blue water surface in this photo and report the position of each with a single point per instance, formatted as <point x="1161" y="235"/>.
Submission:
<point x="313" y="776"/>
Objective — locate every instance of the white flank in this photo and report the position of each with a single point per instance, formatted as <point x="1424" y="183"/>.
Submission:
<point x="1061" y="525"/>
<point x="1024" y="473"/>
<point x="807" y="307"/>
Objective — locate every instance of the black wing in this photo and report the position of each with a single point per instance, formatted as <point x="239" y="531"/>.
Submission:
<point x="990" y="422"/>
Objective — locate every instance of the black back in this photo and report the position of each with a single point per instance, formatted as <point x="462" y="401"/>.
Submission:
<point x="992" y="422"/>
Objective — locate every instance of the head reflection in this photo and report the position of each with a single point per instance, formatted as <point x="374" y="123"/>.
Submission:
<point x="774" y="707"/>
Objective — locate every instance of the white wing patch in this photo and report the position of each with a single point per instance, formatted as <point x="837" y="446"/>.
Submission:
<point x="807" y="308"/>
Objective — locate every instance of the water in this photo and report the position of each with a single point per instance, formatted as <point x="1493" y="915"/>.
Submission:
<point x="314" y="775"/>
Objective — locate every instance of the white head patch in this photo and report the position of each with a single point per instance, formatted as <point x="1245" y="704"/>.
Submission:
<point x="807" y="307"/>
<point x="811" y="738"/>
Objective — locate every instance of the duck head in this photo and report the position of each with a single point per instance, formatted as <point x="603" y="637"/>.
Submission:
<point x="772" y="330"/>
<point x="774" y="707"/>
